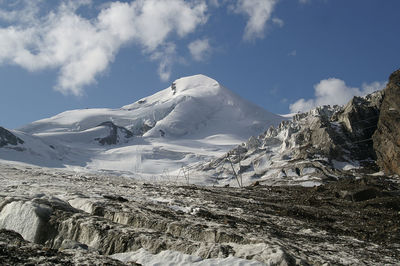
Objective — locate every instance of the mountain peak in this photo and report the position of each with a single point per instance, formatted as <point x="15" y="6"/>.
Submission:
<point x="196" y="84"/>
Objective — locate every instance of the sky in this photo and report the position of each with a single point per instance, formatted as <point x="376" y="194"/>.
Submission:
<point x="284" y="55"/>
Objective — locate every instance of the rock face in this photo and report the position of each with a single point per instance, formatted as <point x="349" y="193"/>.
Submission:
<point x="7" y="138"/>
<point x="117" y="134"/>
<point x="324" y="144"/>
<point x="387" y="136"/>
<point x="360" y="118"/>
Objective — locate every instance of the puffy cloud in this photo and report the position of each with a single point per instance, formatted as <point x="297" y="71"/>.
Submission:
<point x="82" y="48"/>
<point x="23" y="11"/>
<point x="259" y="12"/>
<point x="200" y="49"/>
<point x="333" y="91"/>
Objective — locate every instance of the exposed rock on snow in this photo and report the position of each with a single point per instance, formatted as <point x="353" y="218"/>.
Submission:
<point x="7" y="138"/>
<point x="387" y="137"/>
<point x="117" y="134"/>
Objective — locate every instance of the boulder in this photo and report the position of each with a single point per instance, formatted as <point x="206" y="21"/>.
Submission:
<point x="386" y="139"/>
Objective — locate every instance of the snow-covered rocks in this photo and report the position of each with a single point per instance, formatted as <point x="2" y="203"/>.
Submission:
<point x="321" y="145"/>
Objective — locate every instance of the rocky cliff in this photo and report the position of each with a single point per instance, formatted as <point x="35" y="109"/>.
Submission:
<point x="387" y="136"/>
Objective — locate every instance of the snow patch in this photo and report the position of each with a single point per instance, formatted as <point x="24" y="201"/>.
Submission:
<point x="345" y="165"/>
<point x="310" y="184"/>
<point x="172" y="258"/>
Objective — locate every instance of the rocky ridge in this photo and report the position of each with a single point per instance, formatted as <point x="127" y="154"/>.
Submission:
<point x="322" y="145"/>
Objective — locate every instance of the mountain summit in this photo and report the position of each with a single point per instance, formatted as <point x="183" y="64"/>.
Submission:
<point x="194" y="118"/>
<point x="192" y="106"/>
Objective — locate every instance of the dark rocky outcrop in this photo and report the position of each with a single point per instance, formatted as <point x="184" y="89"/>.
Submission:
<point x="115" y="133"/>
<point x="387" y="136"/>
<point x="14" y="250"/>
<point x="7" y="138"/>
<point x="359" y="118"/>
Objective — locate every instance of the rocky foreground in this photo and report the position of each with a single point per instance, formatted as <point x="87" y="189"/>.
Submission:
<point x="65" y="218"/>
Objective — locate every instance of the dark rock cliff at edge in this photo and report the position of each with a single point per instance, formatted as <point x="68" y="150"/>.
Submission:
<point x="387" y="136"/>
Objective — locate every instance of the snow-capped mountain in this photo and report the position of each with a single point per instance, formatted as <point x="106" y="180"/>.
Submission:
<point x="195" y="118"/>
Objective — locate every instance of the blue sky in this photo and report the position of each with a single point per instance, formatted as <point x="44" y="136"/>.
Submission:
<point x="284" y="55"/>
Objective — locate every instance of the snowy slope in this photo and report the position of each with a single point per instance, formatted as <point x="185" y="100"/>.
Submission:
<point x="194" y="119"/>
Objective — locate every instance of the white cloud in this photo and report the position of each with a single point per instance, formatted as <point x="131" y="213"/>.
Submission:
<point x="259" y="12"/>
<point x="166" y="56"/>
<point x="200" y="49"/>
<point x="304" y="1"/>
<point x="82" y="48"/>
<point x="333" y="91"/>
<point x="279" y="22"/>
<point x="292" y="53"/>
<point x="23" y="11"/>
<point x="374" y="86"/>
